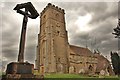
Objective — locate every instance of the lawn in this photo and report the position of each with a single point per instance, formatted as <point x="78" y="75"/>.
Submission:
<point x="62" y="76"/>
<point x="76" y="77"/>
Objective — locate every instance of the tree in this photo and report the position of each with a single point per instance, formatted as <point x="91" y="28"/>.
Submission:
<point x="117" y="30"/>
<point x="115" y="59"/>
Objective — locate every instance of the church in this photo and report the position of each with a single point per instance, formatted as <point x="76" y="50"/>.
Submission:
<point x="56" y="55"/>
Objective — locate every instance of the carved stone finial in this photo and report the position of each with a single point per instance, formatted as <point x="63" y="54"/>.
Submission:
<point x="49" y="4"/>
<point x="63" y="10"/>
<point x="53" y="5"/>
<point x="56" y="6"/>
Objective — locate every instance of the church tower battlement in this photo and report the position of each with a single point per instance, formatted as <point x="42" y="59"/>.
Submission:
<point x="52" y="6"/>
<point x="52" y="49"/>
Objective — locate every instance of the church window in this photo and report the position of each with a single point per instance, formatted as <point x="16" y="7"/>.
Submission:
<point x="43" y="19"/>
<point x="44" y="16"/>
<point x="108" y="69"/>
<point x="58" y="32"/>
<point x="90" y="68"/>
<point x="74" y="69"/>
<point x="43" y="31"/>
<point x="57" y="15"/>
<point x="58" y="59"/>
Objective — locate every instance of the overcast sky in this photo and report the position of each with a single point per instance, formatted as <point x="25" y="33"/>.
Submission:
<point x="87" y="23"/>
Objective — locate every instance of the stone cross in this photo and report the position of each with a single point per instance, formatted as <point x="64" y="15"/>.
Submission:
<point x="31" y="13"/>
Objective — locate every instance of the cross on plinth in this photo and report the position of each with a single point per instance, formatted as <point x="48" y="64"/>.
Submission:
<point x="30" y="12"/>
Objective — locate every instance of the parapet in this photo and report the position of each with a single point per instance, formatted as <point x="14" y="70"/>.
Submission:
<point x="52" y="6"/>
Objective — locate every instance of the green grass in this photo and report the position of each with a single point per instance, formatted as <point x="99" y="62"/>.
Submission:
<point x="2" y="73"/>
<point x="78" y="77"/>
<point x="62" y="76"/>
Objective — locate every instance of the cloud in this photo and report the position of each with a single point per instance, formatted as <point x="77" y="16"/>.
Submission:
<point x="104" y="19"/>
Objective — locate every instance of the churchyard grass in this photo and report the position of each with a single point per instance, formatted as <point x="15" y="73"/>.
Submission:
<point x="78" y="77"/>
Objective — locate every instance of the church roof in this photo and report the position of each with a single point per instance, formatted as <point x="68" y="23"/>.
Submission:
<point x="80" y="51"/>
<point x="103" y="63"/>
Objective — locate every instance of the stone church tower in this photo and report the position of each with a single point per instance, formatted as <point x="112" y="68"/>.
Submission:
<point x="52" y="49"/>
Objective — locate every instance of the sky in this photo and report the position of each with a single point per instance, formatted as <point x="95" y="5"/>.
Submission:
<point x="88" y="24"/>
